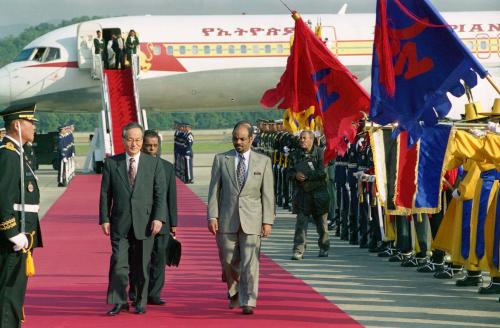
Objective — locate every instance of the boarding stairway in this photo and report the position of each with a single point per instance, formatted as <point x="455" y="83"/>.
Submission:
<point x="120" y="106"/>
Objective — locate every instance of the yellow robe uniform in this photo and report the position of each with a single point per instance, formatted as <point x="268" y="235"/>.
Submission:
<point x="465" y="145"/>
<point x="450" y="234"/>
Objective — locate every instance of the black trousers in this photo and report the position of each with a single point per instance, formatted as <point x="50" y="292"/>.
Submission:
<point x="129" y="256"/>
<point x="13" y="283"/>
<point x="403" y="232"/>
<point x="342" y="209"/>
<point x="353" y="211"/>
<point x="158" y="264"/>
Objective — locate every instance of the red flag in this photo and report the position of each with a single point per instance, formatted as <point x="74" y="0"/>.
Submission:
<point x="314" y="77"/>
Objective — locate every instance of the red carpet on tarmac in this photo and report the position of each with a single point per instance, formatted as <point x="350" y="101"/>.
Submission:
<point x="69" y="288"/>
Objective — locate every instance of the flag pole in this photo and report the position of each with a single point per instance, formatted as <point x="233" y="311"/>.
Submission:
<point x="492" y="82"/>
<point x="284" y="4"/>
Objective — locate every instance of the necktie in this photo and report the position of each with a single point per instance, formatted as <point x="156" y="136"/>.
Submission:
<point x="131" y="172"/>
<point x="240" y="171"/>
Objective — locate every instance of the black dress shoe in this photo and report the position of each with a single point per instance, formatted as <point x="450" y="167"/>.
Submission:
<point x="234" y="301"/>
<point x="493" y="288"/>
<point x="247" y="310"/>
<point x="139" y="310"/>
<point x="117" y="309"/>
<point x="470" y="280"/>
<point x="156" y="301"/>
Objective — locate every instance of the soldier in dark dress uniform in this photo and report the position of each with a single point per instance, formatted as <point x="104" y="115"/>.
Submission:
<point x="342" y="208"/>
<point x="188" y="154"/>
<point x="19" y="225"/>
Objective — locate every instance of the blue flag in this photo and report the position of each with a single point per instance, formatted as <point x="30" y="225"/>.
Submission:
<point x="417" y="59"/>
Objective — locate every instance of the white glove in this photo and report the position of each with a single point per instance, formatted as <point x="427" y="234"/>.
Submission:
<point x="20" y="241"/>
<point x="493" y="127"/>
<point x="456" y="194"/>
<point x="371" y="178"/>
<point x="358" y="174"/>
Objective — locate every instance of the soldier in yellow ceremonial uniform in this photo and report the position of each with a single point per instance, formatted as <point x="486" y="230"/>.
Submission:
<point x="482" y="151"/>
<point x="19" y="225"/>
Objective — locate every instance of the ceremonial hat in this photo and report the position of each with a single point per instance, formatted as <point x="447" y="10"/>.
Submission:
<point x="495" y="110"/>
<point x="25" y="111"/>
<point x="471" y="112"/>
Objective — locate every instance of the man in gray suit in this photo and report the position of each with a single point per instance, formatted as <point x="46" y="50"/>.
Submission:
<point x="132" y="211"/>
<point x="240" y="212"/>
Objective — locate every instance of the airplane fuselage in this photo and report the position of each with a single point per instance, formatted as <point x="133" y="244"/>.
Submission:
<point x="205" y="63"/>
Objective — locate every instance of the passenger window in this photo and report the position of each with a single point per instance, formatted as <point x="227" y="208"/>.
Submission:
<point x="267" y="49"/>
<point x="24" y="55"/>
<point x="157" y="50"/>
<point x="231" y="49"/>
<point x="206" y="50"/>
<point x="170" y="50"/>
<point x="279" y="48"/>
<point x="39" y="54"/>
<point x="54" y="54"/>
<point x="256" y="49"/>
<point x="218" y="49"/>
<point x="182" y="50"/>
<point x="243" y="49"/>
<point x="194" y="50"/>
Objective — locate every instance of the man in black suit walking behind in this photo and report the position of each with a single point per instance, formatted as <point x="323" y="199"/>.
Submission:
<point x="151" y="146"/>
<point x="132" y="211"/>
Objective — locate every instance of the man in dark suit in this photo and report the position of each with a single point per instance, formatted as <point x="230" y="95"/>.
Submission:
<point x="132" y="210"/>
<point x="151" y="146"/>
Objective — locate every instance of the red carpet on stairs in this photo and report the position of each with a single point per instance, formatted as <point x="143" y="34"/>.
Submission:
<point x="122" y="103"/>
<point x="69" y="288"/>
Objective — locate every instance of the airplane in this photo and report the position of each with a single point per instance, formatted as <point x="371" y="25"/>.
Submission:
<point x="209" y="63"/>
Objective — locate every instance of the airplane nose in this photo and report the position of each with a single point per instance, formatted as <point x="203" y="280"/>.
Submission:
<point x="4" y="87"/>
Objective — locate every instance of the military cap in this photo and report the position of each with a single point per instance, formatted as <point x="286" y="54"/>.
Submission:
<point x="25" y="111"/>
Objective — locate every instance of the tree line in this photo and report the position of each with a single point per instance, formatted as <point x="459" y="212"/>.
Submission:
<point x="11" y="46"/>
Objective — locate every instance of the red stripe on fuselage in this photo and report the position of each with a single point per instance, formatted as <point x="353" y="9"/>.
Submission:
<point x="72" y="64"/>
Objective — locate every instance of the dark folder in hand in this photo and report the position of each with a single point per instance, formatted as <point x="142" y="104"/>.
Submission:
<point x="174" y="250"/>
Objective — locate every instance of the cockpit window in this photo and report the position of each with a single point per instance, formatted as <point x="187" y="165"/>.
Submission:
<point x="24" y="55"/>
<point x="41" y="54"/>
<point x="54" y="54"/>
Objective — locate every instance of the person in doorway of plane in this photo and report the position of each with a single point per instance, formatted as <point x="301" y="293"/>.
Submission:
<point x="131" y="45"/>
<point x="98" y="44"/>
<point x="118" y="48"/>
<point x="111" y="59"/>
<point x="240" y="212"/>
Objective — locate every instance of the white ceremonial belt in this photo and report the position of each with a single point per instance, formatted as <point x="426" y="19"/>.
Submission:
<point x="27" y="208"/>
<point x="352" y="166"/>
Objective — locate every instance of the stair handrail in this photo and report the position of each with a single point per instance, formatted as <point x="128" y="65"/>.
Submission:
<point x="135" y="68"/>
<point x="108" y="142"/>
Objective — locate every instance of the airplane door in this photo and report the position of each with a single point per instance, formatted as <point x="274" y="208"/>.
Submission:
<point x="329" y="36"/>
<point x="85" y="43"/>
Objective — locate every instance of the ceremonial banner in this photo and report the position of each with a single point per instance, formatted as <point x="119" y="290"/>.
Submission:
<point x="420" y="171"/>
<point x="314" y="77"/>
<point x="409" y="179"/>
<point x="406" y="183"/>
<point x="430" y="171"/>
<point x="417" y="59"/>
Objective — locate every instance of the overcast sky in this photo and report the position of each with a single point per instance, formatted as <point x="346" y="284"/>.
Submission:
<point x="32" y="12"/>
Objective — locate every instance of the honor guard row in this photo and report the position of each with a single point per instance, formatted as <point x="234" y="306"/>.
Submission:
<point x="19" y="204"/>
<point x="65" y="160"/>
<point x="183" y="152"/>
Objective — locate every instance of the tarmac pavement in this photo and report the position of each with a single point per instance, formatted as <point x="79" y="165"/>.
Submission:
<point x="370" y="289"/>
